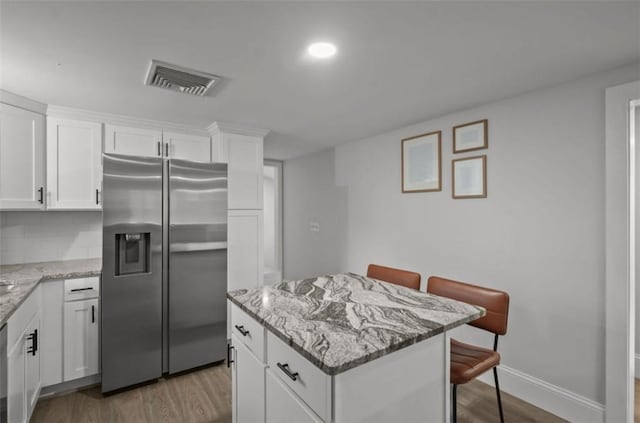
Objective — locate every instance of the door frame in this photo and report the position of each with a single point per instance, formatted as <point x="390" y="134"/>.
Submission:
<point x="619" y="253"/>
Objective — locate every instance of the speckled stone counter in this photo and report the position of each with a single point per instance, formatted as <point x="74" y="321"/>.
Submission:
<point x="18" y="280"/>
<point x="341" y="321"/>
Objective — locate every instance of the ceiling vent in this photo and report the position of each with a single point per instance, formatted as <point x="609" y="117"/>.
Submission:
<point x="178" y="78"/>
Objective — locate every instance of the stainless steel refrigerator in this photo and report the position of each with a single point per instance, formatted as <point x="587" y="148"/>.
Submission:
<point x="164" y="267"/>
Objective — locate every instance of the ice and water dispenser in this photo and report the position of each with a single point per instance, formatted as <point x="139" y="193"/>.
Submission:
<point x="132" y="253"/>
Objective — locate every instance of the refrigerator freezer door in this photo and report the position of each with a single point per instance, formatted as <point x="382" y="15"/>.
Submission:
<point x="197" y="264"/>
<point x="131" y="271"/>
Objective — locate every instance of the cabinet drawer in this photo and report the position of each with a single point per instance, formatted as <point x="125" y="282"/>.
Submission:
<point x="248" y="331"/>
<point x="300" y="375"/>
<point x="285" y="406"/>
<point x="81" y="288"/>
<point x="20" y="319"/>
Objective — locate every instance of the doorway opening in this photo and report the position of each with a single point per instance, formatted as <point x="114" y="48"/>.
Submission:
<point x="272" y="221"/>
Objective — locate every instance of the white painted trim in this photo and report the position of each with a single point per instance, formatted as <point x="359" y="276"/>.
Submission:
<point x="233" y="128"/>
<point x="69" y="386"/>
<point x="120" y="120"/>
<point x="549" y="397"/>
<point x="619" y="287"/>
<point x="22" y="102"/>
<point x="637" y="366"/>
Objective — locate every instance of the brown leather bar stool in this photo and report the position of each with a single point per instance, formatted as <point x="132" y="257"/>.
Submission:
<point x="470" y="361"/>
<point x="395" y="276"/>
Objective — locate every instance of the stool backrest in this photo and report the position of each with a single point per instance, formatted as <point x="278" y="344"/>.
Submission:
<point x="395" y="276"/>
<point x="495" y="302"/>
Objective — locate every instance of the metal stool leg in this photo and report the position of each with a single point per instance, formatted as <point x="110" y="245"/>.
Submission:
<point x="495" y="378"/>
<point x="454" y="403"/>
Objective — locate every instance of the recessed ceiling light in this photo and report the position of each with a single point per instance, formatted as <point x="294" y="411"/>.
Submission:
<point x="322" y="50"/>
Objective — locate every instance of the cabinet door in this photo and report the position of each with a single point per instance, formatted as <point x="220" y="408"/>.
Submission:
<point x="16" y="397"/>
<point x="284" y="406"/>
<point x="32" y="376"/>
<point x="74" y="164"/>
<point x="248" y="386"/>
<point x="21" y="159"/>
<point x="81" y="348"/>
<point x="245" y="249"/>
<point x="52" y="334"/>
<point x="246" y="172"/>
<point x="187" y="147"/>
<point x="132" y="141"/>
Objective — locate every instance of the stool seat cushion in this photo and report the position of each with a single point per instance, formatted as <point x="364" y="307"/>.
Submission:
<point x="470" y="361"/>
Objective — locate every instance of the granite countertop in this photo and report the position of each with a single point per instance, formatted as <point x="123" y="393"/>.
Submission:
<point x="18" y="280"/>
<point x="341" y="321"/>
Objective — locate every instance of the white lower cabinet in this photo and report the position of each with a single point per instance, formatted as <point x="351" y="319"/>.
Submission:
<point x="81" y="339"/>
<point x="23" y="359"/>
<point x="16" y="392"/>
<point x="32" y="377"/>
<point x="71" y="329"/>
<point x="408" y="385"/>
<point x="262" y="392"/>
<point x="52" y="335"/>
<point x="248" y="383"/>
<point x="245" y="242"/>
<point x="283" y="406"/>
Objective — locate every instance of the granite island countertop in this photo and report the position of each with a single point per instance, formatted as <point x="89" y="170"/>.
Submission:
<point x="341" y="321"/>
<point x="18" y="280"/>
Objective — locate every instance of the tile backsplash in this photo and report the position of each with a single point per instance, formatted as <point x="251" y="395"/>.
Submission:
<point x="27" y="237"/>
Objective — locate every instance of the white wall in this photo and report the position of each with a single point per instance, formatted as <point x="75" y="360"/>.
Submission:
<point x="310" y="195"/>
<point x="27" y="237"/>
<point x="539" y="235"/>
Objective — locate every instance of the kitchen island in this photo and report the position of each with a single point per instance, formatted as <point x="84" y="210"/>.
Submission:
<point x="342" y="348"/>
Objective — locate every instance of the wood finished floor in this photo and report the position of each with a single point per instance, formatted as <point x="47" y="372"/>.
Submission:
<point x="204" y="396"/>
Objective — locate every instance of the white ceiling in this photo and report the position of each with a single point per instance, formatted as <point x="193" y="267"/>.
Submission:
<point x="397" y="64"/>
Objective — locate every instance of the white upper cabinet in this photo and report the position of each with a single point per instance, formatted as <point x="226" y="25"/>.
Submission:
<point x="246" y="172"/>
<point x="22" y="150"/>
<point x="74" y="164"/>
<point x="187" y="147"/>
<point x="132" y="141"/>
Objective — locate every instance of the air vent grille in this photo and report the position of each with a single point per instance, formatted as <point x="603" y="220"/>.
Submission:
<point x="178" y="78"/>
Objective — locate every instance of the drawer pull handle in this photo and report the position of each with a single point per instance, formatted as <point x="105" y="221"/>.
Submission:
<point x="81" y="289"/>
<point x="33" y="337"/>
<point x="229" y="360"/>
<point x="93" y="314"/>
<point x="285" y="368"/>
<point x="41" y="191"/>
<point x="242" y="330"/>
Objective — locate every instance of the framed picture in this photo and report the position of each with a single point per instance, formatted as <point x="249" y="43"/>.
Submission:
<point x="422" y="163"/>
<point x="469" y="177"/>
<point x="471" y="136"/>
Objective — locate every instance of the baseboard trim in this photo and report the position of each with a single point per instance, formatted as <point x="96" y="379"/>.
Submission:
<point x="549" y="397"/>
<point x="70" y="386"/>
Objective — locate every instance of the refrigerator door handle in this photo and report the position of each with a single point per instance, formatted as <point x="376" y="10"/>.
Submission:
<point x="188" y="247"/>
